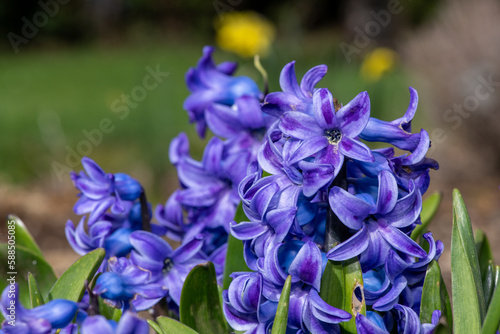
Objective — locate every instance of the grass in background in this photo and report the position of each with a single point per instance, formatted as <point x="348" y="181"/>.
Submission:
<point x="48" y="98"/>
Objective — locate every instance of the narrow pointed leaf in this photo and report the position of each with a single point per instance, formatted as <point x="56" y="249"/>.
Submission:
<point x="429" y="209"/>
<point x="497" y="276"/>
<point x="26" y="262"/>
<point x="483" y="251"/>
<point x="466" y="238"/>
<point x="155" y="327"/>
<point x="23" y="236"/>
<point x="234" y="257"/>
<point x="332" y="283"/>
<point x="354" y="297"/>
<point x="492" y="320"/>
<point x="71" y="284"/>
<point x="281" y="319"/>
<point x="466" y="289"/>
<point x="35" y="294"/>
<point x="200" y="304"/>
<point x="169" y="325"/>
<point x="489" y="283"/>
<point x="435" y="296"/>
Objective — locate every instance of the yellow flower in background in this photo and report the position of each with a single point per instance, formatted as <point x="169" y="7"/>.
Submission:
<point x="378" y="62"/>
<point x="244" y="33"/>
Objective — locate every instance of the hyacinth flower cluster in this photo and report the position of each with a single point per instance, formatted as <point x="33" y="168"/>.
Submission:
<point x="140" y="267"/>
<point x="313" y="170"/>
<point x="210" y="84"/>
<point x="312" y="190"/>
<point x="207" y="199"/>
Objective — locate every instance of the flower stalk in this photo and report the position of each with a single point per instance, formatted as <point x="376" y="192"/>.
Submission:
<point x="335" y="231"/>
<point x="146" y="219"/>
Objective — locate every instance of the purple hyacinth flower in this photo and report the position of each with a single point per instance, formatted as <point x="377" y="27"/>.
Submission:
<point x="171" y="216"/>
<point x="397" y="284"/>
<point x="372" y="324"/>
<point x="378" y="225"/>
<point x="407" y="320"/>
<point x="101" y="191"/>
<point x="214" y="84"/>
<point x="245" y="308"/>
<point x="260" y="203"/>
<point x="311" y="314"/>
<point x="416" y="165"/>
<point x="129" y="323"/>
<point x="126" y="187"/>
<point x="208" y="185"/>
<point x="400" y="280"/>
<point x="83" y="242"/>
<point x="125" y="281"/>
<point x="416" y="271"/>
<point x="170" y="266"/>
<point x="55" y="314"/>
<point x="294" y="97"/>
<point x="397" y="132"/>
<point x="268" y="203"/>
<point x="178" y="149"/>
<point x="244" y="125"/>
<point x="248" y="309"/>
<point x="282" y="157"/>
<point x="327" y="135"/>
<point x="118" y="243"/>
<point x="110" y="232"/>
<point x="303" y="261"/>
<point x="307" y="266"/>
<point x="244" y="116"/>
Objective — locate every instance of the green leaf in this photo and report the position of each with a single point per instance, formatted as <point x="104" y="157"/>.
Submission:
<point x="483" y="251"/>
<point x="467" y="289"/>
<point x="342" y="287"/>
<point x="234" y="256"/>
<point x="200" y="306"/>
<point x="23" y="236"/>
<point x="156" y="327"/>
<point x="35" y="294"/>
<point x="169" y="325"/>
<point x="332" y="283"/>
<point x="492" y="320"/>
<point x="435" y="296"/>
<point x="489" y="283"/>
<point x="281" y="318"/>
<point x="496" y="276"/>
<point x="354" y="298"/>
<point x="442" y="329"/>
<point x="71" y="284"/>
<point x="26" y="262"/>
<point x="429" y="209"/>
<point x="109" y="312"/>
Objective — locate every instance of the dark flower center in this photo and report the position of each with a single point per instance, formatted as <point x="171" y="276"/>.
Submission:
<point x="333" y="136"/>
<point x="167" y="265"/>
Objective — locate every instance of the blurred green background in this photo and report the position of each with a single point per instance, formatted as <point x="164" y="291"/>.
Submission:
<point x="64" y="63"/>
<point x="49" y="98"/>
